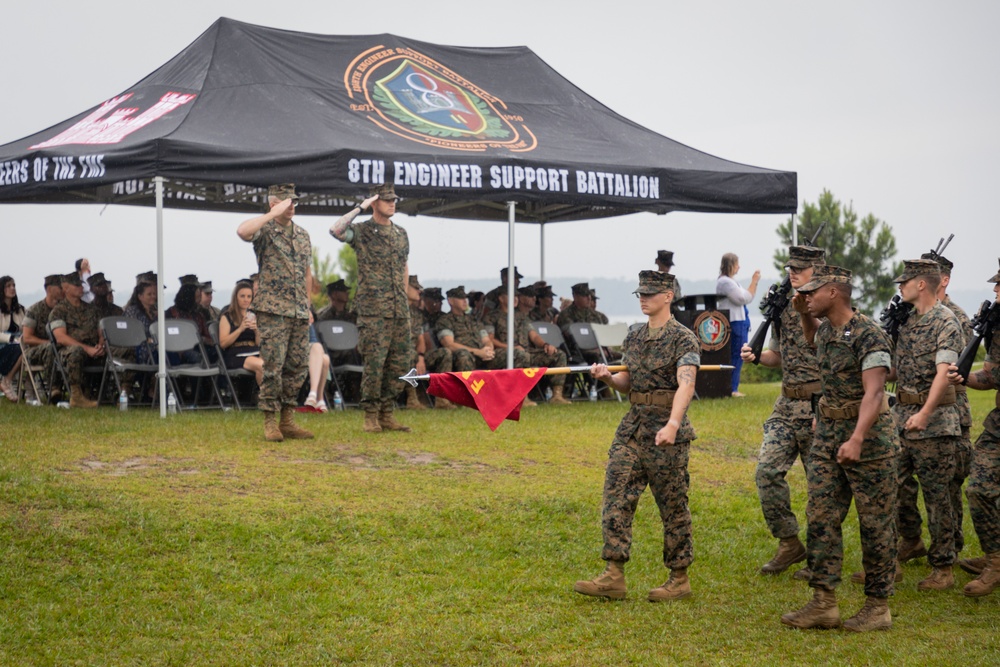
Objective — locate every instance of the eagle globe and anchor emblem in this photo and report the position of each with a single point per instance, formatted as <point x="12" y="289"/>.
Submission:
<point x="415" y="97"/>
<point x="712" y="330"/>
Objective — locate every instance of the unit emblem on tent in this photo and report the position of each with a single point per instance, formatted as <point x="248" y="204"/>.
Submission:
<point x="413" y="96"/>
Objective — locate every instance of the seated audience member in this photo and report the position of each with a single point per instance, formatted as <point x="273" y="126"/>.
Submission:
<point x="465" y="336"/>
<point x="319" y="369"/>
<point x="75" y="327"/>
<point x="38" y="351"/>
<point x="490" y="304"/>
<point x="601" y="317"/>
<point x="142" y="307"/>
<point x="526" y="301"/>
<point x="337" y="292"/>
<point x="437" y="359"/>
<point x="186" y="308"/>
<point x="238" y="334"/>
<point x="477" y="305"/>
<point x="103" y="299"/>
<point x="419" y="358"/>
<point x="83" y="270"/>
<point x="529" y="348"/>
<point x="11" y="321"/>
<point x="210" y="312"/>
<point x="578" y="312"/>
<point x="543" y="310"/>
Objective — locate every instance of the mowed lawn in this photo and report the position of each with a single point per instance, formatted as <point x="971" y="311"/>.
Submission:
<point x="131" y="540"/>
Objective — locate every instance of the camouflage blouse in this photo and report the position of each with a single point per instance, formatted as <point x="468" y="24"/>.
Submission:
<point x="382" y="252"/>
<point x="283" y="257"/>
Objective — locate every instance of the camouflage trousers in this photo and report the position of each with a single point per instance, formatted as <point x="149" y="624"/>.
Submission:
<point x="785" y="440"/>
<point x="909" y="516"/>
<point x="984" y="491"/>
<point x="872" y="485"/>
<point x="933" y="461"/>
<point x="538" y="357"/>
<point x="463" y="360"/>
<point x="386" y="347"/>
<point x="438" y="361"/>
<point x="284" y="349"/>
<point x="75" y="360"/>
<point x="41" y="355"/>
<point x="632" y="466"/>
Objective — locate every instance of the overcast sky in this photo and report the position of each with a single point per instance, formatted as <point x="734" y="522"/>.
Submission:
<point x="894" y="106"/>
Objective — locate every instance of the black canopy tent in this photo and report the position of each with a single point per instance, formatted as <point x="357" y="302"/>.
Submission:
<point x="472" y="133"/>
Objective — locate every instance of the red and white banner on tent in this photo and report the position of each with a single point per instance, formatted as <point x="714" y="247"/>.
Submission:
<point x="497" y="395"/>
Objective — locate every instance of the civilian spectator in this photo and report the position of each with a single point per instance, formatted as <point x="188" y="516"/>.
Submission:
<point x="186" y="308"/>
<point x="319" y="369"/>
<point x="238" y="334"/>
<point x="83" y="270"/>
<point x="734" y="303"/>
<point x="142" y="307"/>
<point x="11" y="320"/>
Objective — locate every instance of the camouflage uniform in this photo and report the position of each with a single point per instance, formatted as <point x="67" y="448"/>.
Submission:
<point x="909" y="515"/>
<point x="383" y="311"/>
<point x="843" y="353"/>
<point x="984" y="477"/>
<point x="530" y="355"/>
<point x="788" y="432"/>
<point x="281" y="304"/>
<point x="36" y="318"/>
<point x="635" y="461"/>
<point x="437" y="358"/>
<point x="924" y="342"/>
<point x="81" y="324"/>
<point x="468" y="331"/>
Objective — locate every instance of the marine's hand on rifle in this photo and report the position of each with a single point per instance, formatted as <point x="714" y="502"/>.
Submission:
<point x="954" y="377"/>
<point x="746" y="353"/>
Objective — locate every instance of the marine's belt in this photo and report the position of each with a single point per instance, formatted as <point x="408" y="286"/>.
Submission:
<point x="906" y="398"/>
<point x="960" y="388"/>
<point x="663" y="398"/>
<point x="848" y="410"/>
<point x="802" y="391"/>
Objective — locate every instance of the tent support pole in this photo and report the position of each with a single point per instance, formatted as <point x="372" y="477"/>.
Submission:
<point x="541" y="249"/>
<point x="161" y="333"/>
<point x="511" y="279"/>
<point x="795" y="230"/>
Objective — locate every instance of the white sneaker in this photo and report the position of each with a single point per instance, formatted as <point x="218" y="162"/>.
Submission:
<point x="321" y="406"/>
<point x="311" y="400"/>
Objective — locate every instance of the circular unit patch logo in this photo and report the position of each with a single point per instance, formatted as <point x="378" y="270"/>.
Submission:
<point x="712" y="330"/>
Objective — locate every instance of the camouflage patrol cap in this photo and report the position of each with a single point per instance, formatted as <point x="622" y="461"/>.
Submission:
<point x="803" y="256"/>
<point x="913" y="268"/>
<point x="337" y="286"/>
<point x="432" y="293"/>
<point x="72" y="279"/>
<point x="52" y="280"/>
<point x="145" y="277"/>
<point x="206" y="287"/>
<point x="544" y="291"/>
<point x="946" y="264"/>
<point x="414" y="283"/>
<point x="825" y="274"/>
<point x="457" y="293"/>
<point x="581" y="289"/>
<point x="593" y="294"/>
<point x="655" y="282"/>
<point x="96" y="280"/>
<point x="254" y="276"/>
<point x="282" y="191"/>
<point x="503" y="274"/>
<point x="996" y="278"/>
<point x="665" y="257"/>
<point x="385" y="191"/>
<point x="527" y="291"/>
<point x="190" y="279"/>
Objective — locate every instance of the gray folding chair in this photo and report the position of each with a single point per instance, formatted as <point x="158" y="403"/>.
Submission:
<point x="35" y="373"/>
<point x="339" y="336"/>
<point x="121" y="333"/>
<point x="583" y="335"/>
<point x="552" y="335"/>
<point x="240" y="374"/>
<point x="182" y="339"/>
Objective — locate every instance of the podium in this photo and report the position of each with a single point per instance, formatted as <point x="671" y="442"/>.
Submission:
<point x="711" y="326"/>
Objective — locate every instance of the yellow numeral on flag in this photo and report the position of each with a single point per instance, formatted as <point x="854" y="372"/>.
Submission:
<point x="531" y="372"/>
<point x="477" y="385"/>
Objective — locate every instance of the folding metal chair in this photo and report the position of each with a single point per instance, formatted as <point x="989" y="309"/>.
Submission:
<point x="182" y="337"/>
<point x="583" y="335"/>
<point x="609" y="335"/>
<point x="35" y="373"/>
<point x="552" y="335"/>
<point x="339" y="336"/>
<point x="58" y="366"/>
<point x="120" y="333"/>
<point x="239" y="373"/>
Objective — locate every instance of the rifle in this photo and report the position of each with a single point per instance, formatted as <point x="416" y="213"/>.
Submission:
<point x="895" y="314"/>
<point x="983" y="325"/>
<point x="772" y="305"/>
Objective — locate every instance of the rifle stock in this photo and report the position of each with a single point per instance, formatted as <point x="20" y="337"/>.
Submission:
<point x="982" y="323"/>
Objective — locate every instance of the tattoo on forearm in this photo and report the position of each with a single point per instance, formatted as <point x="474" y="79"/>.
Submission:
<point x="338" y="228"/>
<point x="686" y="375"/>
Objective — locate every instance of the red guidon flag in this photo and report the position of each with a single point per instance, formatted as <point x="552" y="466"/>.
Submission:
<point x="496" y="394"/>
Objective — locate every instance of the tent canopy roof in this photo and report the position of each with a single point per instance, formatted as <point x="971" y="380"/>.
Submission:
<point x="460" y="131"/>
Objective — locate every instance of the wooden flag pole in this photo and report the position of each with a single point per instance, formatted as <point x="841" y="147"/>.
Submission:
<point x="412" y="376"/>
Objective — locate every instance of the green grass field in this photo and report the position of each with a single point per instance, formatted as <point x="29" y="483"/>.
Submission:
<point x="131" y="540"/>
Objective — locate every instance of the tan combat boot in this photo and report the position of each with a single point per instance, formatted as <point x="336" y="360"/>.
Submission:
<point x="859" y="577"/>
<point x="557" y="397"/>
<point x="78" y="399"/>
<point x="443" y="404"/>
<point x="413" y="400"/>
<point x="910" y="549"/>
<point x="677" y="587"/>
<point x="528" y="403"/>
<point x="974" y="565"/>
<point x="988" y="580"/>
<point x="271" y="431"/>
<point x="290" y="429"/>
<point x="820" y="612"/>
<point x="873" y="616"/>
<point x="609" y="584"/>
<point x="790" y="551"/>
<point x="371" y="423"/>
<point x="940" y="578"/>
<point x="389" y="423"/>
